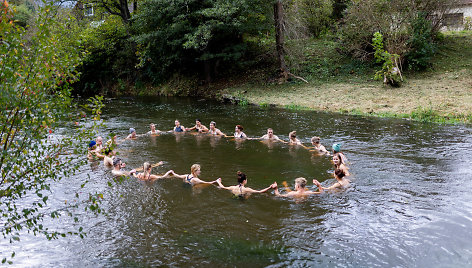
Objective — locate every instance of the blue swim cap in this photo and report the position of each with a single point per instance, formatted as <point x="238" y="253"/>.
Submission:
<point x="336" y="147"/>
<point x="92" y="143"/>
<point x="131" y="130"/>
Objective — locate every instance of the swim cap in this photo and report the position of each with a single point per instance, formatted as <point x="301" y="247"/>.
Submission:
<point x="92" y="143"/>
<point x="131" y="130"/>
<point x="336" y="147"/>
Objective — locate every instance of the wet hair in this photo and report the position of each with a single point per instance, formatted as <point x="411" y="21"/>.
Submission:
<point x="315" y="139"/>
<point x="270" y="129"/>
<point x="292" y="134"/>
<point x="194" y="168"/>
<point x="146" y="167"/>
<point x="240" y="127"/>
<point x="301" y="182"/>
<point x="198" y="120"/>
<point x="213" y="122"/>
<point x="152" y="124"/>
<point x="241" y="177"/>
<point x="339" y="173"/>
<point x="177" y="120"/>
<point x="116" y="161"/>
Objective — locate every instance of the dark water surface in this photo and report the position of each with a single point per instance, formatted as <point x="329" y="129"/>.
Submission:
<point x="410" y="203"/>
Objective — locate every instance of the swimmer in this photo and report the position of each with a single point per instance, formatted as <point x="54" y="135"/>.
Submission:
<point x="178" y="127"/>
<point x="153" y="131"/>
<point x="118" y="165"/>
<point x="93" y="154"/>
<point x="337" y="150"/>
<point x="111" y="143"/>
<point x="108" y="159"/>
<point x="192" y="178"/>
<point x="238" y="132"/>
<point x="198" y="126"/>
<point x="341" y="179"/>
<point x="293" y="138"/>
<point x="315" y="141"/>
<point x="213" y="130"/>
<point x="132" y="134"/>
<point x="241" y="190"/>
<point x="300" y="190"/>
<point x="339" y="164"/>
<point x="147" y="176"/>
<point x="270" y="136"/>
<point x="99" y="142"/>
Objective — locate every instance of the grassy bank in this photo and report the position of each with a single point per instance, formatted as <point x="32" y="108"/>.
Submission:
<point x="337" y="84"/>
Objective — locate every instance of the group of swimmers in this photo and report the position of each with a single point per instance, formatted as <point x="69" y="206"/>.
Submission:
<point x="106" y="152"/>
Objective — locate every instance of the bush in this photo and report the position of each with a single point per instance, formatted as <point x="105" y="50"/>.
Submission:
<point x="421" y="44"/>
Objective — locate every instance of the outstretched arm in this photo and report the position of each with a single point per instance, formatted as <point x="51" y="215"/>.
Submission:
<point x="272" y="186"/>
<point x="221" y="185"/>
<point x="198" y="181"/>
<point x="318" y="184"/>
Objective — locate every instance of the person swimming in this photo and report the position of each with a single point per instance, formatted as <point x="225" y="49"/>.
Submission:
<point x="339" y="164"/>
<point x="198" y="126"/>
<point x="108" y="159"/>
<point x="293" y="138"/>
<point x="147" y="176"/>
<point x="192" y="178"/>
<point x="341" y="180"/>
<point x="213" y="130"/>
<point x="153" y="130"/>
<point x="337" y="150"/>
<point x="178" y="127"/>
<point x="92" y="153"/>
<point x="300" y="190"/>
<point x="132" y="134"/>
<point x="238" y="132"/>
<point x="99" y="141"/>
<point x="315" y="141"/>
<point x="241" y="190"/>
<point x="270" y="136"/>
<point x="118" y="166"/>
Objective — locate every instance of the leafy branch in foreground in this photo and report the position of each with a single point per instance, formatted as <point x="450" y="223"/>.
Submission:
<point x="42" y="131"/>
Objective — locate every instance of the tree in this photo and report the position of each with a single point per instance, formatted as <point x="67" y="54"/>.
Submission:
<point x="36" y="69"/>
<point x="187" y="35"/>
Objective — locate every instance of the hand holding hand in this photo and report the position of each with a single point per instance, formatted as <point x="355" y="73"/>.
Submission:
<point x="160" y="163"/>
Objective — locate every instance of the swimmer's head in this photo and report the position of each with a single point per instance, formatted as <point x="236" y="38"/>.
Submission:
<point x="198" y="121"/>
<point x="147" y="166"/>
<point x="315" y="140"/>
<point x="108" y="151"/>
<point x="241" y="177"/>
<point x="131" y="130"/>
<point x="177" y="122"/>
<point x="239" y="127"/>
<point x="292" y="134"/>
<point x="212" y="123"/>
<point x="337" y="159"/>
<point x="99" y="140"/>
<point x="336" y="147"/>
<point x="92" y="144"/>
<point x="270" y="131"/>
<point x="116" y="161"/>
<point x="339" y="173"/>
<point x="152" y="126"/>
<point x="194" y="169"/>
<point x="300" y="182"/>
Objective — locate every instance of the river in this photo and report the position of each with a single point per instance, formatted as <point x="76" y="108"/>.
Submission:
<point x="409" y="204"/>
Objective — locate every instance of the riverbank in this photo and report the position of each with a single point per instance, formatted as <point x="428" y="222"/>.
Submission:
<point x="441" y="94"/>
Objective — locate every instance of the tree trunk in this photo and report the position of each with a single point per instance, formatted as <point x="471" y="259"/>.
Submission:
<point x="135" y="6"/>
<point x="279" y="35"/>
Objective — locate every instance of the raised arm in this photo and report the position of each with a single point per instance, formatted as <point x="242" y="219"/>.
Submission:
<point x="318" y="184"/>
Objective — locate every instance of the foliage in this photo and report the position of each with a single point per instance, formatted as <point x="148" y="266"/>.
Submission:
<point x="110" y="55"/>
<point x="36" y="68"/>
<point x="421" y="43"/>
<point x="188" y="35"/>
<point x="390" y="73"/>
<point x="310" y="16"/>
<point x="22" y="14"/>
<point x="394" y="19"/>
<point x="468" y="23"/>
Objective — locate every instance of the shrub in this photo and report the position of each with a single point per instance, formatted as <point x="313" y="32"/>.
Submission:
<point x="421" y="44"/>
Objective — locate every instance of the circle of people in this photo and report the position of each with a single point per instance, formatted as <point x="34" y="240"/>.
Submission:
<point x="106" y="152"/>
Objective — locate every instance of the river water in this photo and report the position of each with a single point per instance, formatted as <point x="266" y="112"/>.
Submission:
<point x="409" y="205"/>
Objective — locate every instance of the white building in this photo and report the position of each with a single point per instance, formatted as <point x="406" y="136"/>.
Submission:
<point x="458" y="17"/>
